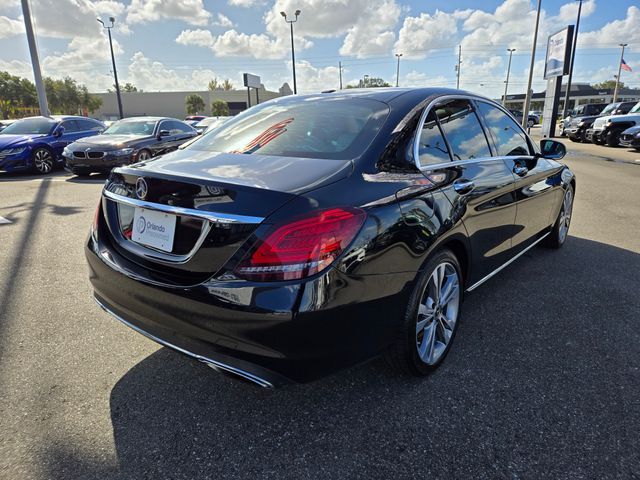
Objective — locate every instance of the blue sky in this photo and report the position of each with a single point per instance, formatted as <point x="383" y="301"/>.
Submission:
<point x="180" y="45"/>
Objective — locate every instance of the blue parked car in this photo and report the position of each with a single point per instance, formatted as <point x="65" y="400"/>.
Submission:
<point x="36" y="143"/>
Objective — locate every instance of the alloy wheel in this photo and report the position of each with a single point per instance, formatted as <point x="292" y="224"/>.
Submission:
<point x="565" y="215"/>
<point x="43" y="160"/>
<point x="143" y="155"/>
<point x="438" y="313"/>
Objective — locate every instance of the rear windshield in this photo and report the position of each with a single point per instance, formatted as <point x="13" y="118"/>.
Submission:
<point x="30" y="126"/>
<point x="312" y="127"/>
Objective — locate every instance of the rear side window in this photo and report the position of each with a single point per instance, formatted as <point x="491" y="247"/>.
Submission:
<point x="316" y="127"/>
<point x="86" y="125"/>
<point x="507" y="135"/>
<point x="176" y="127"/>
<point x="432" y="148"/>
<point x="462" y="130"/>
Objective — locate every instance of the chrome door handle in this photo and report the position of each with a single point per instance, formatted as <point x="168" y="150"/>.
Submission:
<point x="463" y="186"/>
<point x="520" y="170"/>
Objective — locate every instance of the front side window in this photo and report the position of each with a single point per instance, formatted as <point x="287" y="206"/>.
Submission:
<point x="462" y="130"/>
<point x="432" y="148"/>
<point x="70" y="126"/>
<point x="508" y="137"/>
<point x="316" y="127"/>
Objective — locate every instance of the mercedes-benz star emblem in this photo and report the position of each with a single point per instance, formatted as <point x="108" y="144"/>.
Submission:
<point x="141" y="188"/>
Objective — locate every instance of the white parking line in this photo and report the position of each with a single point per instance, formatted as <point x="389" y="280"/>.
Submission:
<point x="4" y="220"/>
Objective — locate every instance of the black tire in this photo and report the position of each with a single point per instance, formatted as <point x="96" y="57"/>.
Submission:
<point x="557" y="237"/>
<point x="403" y="355"/>
<point x="43" y="160"/>
<point x="611" y="138"/>
<point x="595" y="139"/>
<point x="530" y="123"/>
<point x="582" y="136"/>
<point x="574" y="139"/>
<point x="142" y="156"/>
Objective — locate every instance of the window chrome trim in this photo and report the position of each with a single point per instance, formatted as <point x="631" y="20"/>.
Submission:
<point x="423" y="117"/>
<point x="186" y="212"/>
<point x="215" y="364"/>
<point x="506" y="264"/>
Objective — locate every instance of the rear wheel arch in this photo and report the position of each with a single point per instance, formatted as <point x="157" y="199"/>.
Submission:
<point x="456" y="245"/>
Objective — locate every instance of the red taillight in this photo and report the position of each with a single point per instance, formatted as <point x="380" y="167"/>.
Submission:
<point x="303" y="247"/>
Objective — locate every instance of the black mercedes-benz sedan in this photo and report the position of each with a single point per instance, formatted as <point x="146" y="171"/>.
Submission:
<point x="311" y="233"/>
<point x="126" y="141"/>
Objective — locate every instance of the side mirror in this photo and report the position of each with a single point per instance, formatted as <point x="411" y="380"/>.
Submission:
<point x="165" y="133"/>
<point x="59" y="131"/>
<point x="552" y="149"/>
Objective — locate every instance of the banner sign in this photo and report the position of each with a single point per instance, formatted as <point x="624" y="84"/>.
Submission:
<point x="558" y="53"/>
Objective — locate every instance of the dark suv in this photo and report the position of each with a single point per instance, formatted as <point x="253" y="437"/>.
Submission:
<point x="583" y="115"/>
<point x="618" y="108"/>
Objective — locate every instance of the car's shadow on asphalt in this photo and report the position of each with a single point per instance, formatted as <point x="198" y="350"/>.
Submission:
<point x="544" y="373"/>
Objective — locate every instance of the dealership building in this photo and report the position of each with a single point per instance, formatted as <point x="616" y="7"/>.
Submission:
<point x="580" y="94"/>
<point x="172" y="104"/>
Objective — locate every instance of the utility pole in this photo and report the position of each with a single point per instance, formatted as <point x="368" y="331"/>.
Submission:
<point x="293" y="52"/>
<point x="506" y="82"/>
<point x="398" y="55"/>
<point x="113" y="62"/>
<point x="35" y="60"/>
<point x="615" y="92"/>
<point x="458" y="66"/>
<point x="527" y="98"/>
<point x="573" y="56"/>
<point x="340" y="68"/>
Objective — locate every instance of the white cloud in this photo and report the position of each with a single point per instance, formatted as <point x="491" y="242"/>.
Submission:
<point x="421" y="34"/>
<point x="17" y="67"/>
<point x="232" y="43"/>
<point x="190" y="11"/>
<point x="10" y="27"/>
<point x="198" y="37"/>
<point x="617" y="31"/>
<point x="314" y="79"/>
<point x="223" y="21"/>
<point x="419" y="79"/>
<point x="154" y="76"/>
<point x="569" y="11"/>
<point x="245" y="3"/>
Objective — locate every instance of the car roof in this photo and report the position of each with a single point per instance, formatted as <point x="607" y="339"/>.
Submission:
<point x="387" y="94"/>
<point x="146" y="118"/>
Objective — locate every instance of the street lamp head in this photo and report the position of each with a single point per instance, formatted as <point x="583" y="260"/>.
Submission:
<point x="297" y="12"/>
<point x="112" y="20"/>
<point x="623" y="44"/>
<point x="284" y="15"/>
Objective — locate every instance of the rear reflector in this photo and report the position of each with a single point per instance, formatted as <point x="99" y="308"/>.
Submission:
<point x="303" y="247"/>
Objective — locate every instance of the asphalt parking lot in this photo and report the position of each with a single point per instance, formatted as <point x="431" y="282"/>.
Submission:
<point x="543" y="380"/>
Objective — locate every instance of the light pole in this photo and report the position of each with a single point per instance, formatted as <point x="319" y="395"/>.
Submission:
<point x="615" y="92"/>
<point x="35" y="60"/>
<point x="458" y="66"/>
<point x="506" y="82"/>
<point x="527" y="98"/>
<point x="398" y="55"/>
<point x="293" y="52"/>
<point x="573" y="56"/>
<point x="113" y="61"/>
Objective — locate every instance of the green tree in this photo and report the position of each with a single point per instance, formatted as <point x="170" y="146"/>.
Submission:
<point x="608" y="85"/>
<point x="219" y="108"/>
<point x="15" y="92"/>
<point x="214" y="85"/>
<point x="227" y="85"/>
<point x="370" y="82"/>
<point x="194" y="103"/>
<point x="129" y="88"/>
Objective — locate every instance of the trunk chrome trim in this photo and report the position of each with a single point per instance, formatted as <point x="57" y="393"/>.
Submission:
<point x="506" y="264"/>
<point x="215" y="364"/>
<point x="187" y="212"/>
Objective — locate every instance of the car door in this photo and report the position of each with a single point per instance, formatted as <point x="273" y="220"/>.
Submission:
<point x="536" y="193"/>
<point x="479" y="186"/>
<point x="67" y="137"/>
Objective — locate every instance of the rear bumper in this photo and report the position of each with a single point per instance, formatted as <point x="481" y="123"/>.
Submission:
<point x="271" y="334"/>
